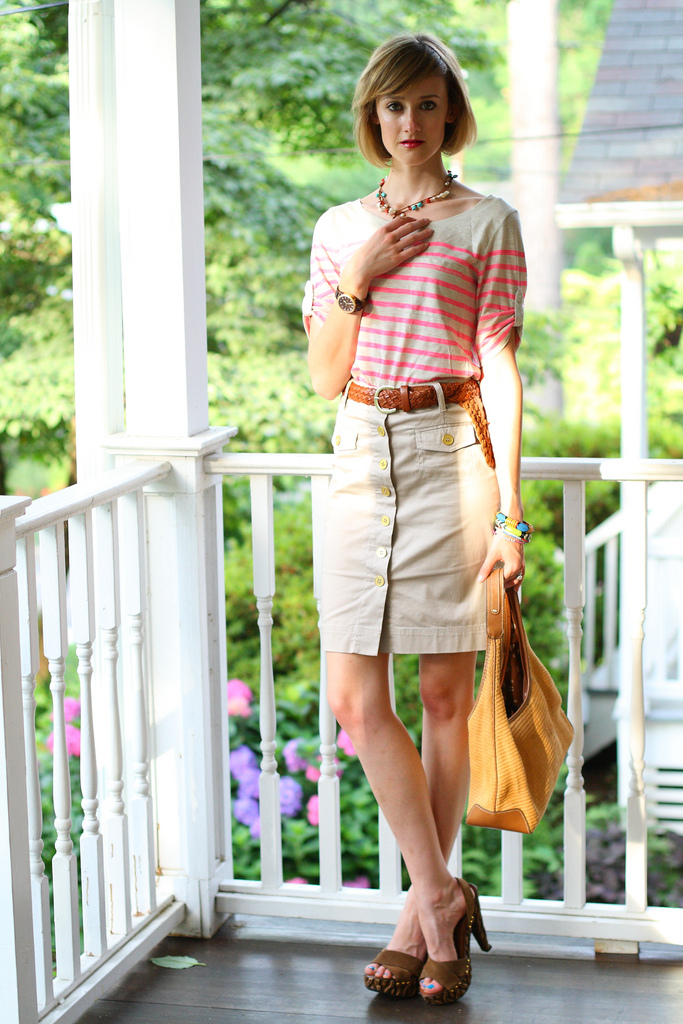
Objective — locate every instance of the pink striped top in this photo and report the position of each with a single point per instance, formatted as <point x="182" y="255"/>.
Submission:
<point x="441" y="314"/>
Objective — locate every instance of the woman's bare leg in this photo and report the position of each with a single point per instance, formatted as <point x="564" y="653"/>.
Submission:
<point x="446" y="689"/>
<point x="358" y="691"/>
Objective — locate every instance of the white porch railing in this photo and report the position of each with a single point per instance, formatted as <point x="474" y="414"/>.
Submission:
<point x="506" y="910"/>
<point x="108" y="536"/>
<point x="121" y="918"/>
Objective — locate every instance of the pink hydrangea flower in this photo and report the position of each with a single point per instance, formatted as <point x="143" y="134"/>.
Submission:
<point x="344" y="743"/>
<point x="73" y="741"/>
<point x="72" y="708"/>
<point x="312" y="773"/>
<point x="297" y="881"/>
<point x="362" y="882"/>
<point x="313" y="811"/>
<point x="239" y="698"/>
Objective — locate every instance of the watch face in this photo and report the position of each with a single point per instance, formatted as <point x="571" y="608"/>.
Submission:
<point x="346" y="302"/>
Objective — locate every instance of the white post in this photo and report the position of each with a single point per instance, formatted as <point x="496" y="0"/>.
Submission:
<point x="159" y="133"/>
<point x="81" y="565"/>
<point x="162" y="215"/>
<point x="98" y="341"/>
<point x="263" y="547"/>
<point x="30" y="662"/>
<point x="18" y="996"/>
<point x="575" y="794"/>
<point x="633" y="355"/>
<point x="328" y="785"/>
<point x="633" y="618"/>
<point x="141" y="811"/>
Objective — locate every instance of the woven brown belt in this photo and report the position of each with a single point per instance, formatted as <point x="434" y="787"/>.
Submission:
<point x="465" y="393"/>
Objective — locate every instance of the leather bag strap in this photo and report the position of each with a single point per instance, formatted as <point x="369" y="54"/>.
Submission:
<point x="495" y="596"/>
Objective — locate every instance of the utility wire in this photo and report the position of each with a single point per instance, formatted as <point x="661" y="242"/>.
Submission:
<point x="34" y="7"/>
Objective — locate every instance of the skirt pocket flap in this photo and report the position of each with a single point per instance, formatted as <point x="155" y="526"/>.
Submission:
<point x="445" y="439"/>
<point x="345" y="440"/>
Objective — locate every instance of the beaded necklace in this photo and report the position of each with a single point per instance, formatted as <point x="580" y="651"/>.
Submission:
<point x="384" y="205"/>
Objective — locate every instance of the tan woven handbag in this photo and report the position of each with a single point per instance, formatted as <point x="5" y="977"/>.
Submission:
<point x="518" y="732"/>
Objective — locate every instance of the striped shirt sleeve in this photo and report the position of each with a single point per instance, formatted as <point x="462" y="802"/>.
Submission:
<point x="500" y="289"/>
<point x="320" y="288"/>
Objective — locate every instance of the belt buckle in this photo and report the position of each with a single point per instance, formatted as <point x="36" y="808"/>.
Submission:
<point x="385" y="387"/>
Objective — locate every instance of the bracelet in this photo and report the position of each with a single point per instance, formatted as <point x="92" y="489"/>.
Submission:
<point x="499" y="532"/>
<point x="514" y="527"/>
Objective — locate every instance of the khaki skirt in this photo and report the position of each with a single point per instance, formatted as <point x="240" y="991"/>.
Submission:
<point x="409" y="517"/>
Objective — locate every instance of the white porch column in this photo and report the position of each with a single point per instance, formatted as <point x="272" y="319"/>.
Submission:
<point x="18" y="995"/>
<point x="162" y="216"/>
<point x="164" y="324"/>
<point x="633" y="354"/>
<point x="634" y="445"/>
<point x="98" y="342"/>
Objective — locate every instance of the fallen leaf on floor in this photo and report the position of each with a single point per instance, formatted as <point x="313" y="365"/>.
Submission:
<point x="176" y="963"/>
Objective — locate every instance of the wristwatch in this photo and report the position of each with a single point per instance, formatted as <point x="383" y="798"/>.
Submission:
<point x="349" y="303"/>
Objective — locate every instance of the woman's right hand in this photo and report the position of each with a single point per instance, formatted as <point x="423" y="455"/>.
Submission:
<point x="388" y="247"/>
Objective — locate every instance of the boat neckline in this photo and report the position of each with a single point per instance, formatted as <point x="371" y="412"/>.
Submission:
<point x="441" y="220"/>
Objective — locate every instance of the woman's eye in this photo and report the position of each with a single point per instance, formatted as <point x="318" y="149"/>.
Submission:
<point x="393" y="106"/>
<point x="428" y="105"/>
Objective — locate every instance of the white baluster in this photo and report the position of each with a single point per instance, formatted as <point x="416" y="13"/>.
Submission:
<point x="30" y="661"/>
<point x="329" y="829"/>
<point x="390" y="880"/>
<point x="18" y="996"/>
<point x="263" y="544"/>
<point x="455" y="859"/>
<point x="575" y="794"/>
<point x="140" y="805"/>
<point x="589" y="638"/>
<point x="115" y="825"/>
<point x="512" y="868"/>
<point x="634" y="498"/>
<point x="64" y="863"/>
<point x="611" y="602"/>
<point x="84" y="630"/>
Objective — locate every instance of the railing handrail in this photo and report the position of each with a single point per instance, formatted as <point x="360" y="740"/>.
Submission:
<point x="61" y="505"/>
<point x="303" y="464"/>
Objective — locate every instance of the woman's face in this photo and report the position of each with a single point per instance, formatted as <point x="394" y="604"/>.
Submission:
<point x="413" y="121"/>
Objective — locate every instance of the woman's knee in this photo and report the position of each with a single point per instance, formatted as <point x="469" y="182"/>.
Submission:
<point x="356" y="692"/>
<point x="447" y="687"/>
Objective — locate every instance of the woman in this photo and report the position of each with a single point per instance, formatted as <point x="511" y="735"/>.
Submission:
<point x="421" y="282"/>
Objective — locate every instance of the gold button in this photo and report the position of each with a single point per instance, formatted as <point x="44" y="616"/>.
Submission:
<point x="386" y="521"/>
<point x="337" y="439"/>
<point x="447" y="439"/>
<point x="381" y="552"/>
<point x="381" y="431"/>
<point x="383" y="463"/>
<point x="386" y="492"/>
<point x="379" y="581"/>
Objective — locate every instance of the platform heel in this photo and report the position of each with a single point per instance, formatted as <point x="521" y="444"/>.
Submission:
<point x="455" y="976"/>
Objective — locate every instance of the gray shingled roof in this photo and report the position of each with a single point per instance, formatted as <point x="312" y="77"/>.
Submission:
<point x="632" y="135"/>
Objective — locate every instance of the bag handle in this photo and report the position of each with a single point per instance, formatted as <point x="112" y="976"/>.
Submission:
<point x="495" y="595"/>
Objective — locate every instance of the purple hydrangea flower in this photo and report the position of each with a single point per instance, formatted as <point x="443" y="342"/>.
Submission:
<point x="242" y="760"/>
<point x="294" y="761"/>
<point x="291" y="797"/>
<point x="255" y="828"/>
<point x="249" y="784"/>
<point x="246" y="811"/>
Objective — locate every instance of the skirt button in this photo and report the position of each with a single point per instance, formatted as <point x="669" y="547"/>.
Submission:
<point x="383" y="463"/>
<point x="379" y="580"/>
<point x="386" y="521"/>
<point x="386" y="492"/>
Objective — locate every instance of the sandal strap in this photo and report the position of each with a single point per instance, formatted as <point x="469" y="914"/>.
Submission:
<point x="401" y="961"/>
<point x="448" y="973"/>
<point x="468" y="894"/>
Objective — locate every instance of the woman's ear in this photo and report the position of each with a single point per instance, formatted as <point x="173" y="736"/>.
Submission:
<point x="373" y="116"/>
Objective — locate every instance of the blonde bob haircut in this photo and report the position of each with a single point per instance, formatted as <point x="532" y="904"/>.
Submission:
<point x="397" y="64"/>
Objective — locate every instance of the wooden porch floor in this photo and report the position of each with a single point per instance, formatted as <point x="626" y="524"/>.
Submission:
<point x="270" y="971"/>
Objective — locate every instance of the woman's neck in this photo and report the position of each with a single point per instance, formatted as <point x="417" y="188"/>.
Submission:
<point x="406" y="185"/>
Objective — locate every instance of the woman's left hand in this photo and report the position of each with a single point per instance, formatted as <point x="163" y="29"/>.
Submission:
<point x="512" y="554"/>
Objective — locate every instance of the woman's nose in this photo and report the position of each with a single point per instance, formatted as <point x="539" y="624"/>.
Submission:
<point x="411" y="121"/>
